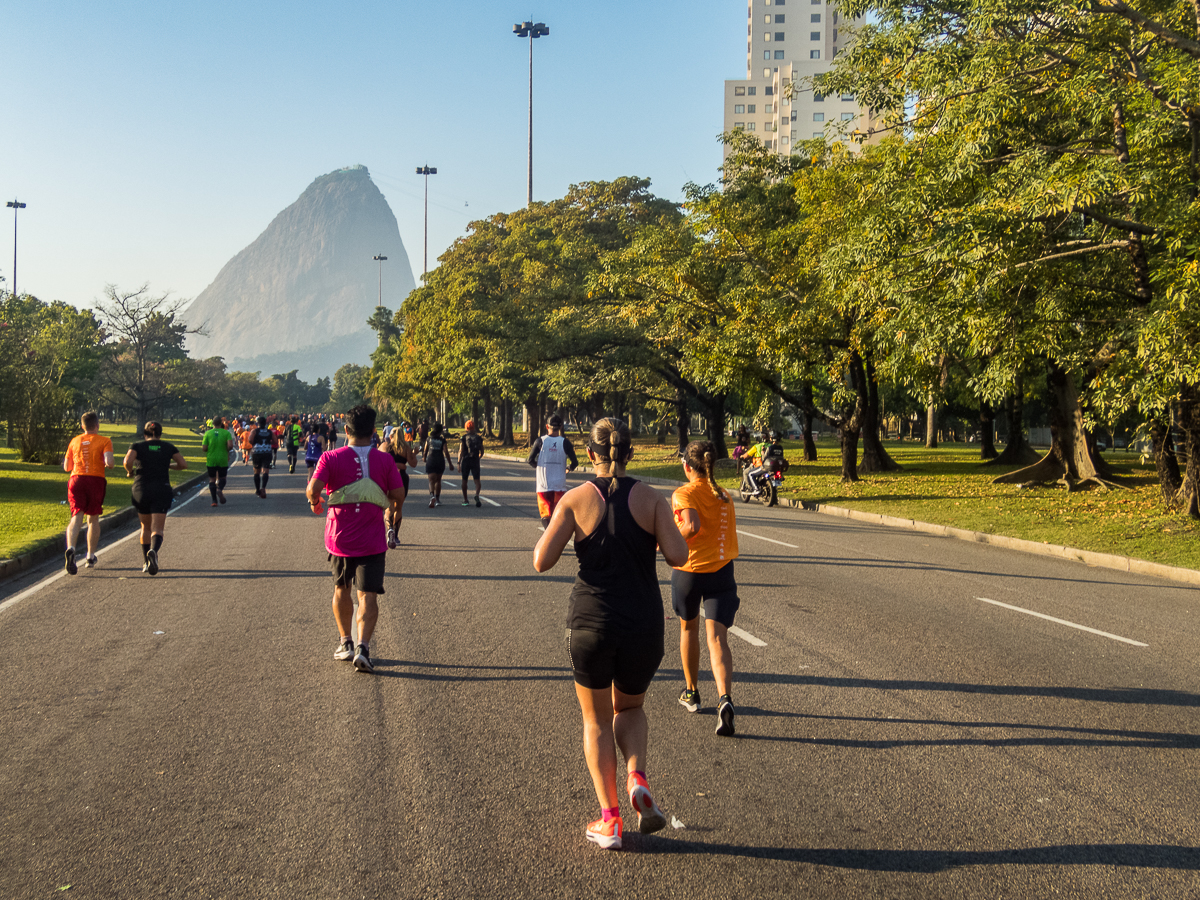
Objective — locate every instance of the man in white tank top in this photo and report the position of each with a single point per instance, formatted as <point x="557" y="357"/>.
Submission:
<point x="553" y="457"/>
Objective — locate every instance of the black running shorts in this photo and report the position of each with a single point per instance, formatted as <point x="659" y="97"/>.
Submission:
<point x="152" y="499"/>
<point x="717" y="590"/>
<point x="627" y="659"/>
<point x="262" y="460"/>
<point x="404" y="477"/>
<point x="218" y="471"/>
<point x="435" y="468"/>
<point x="364" y="572"/>
<point x="470" y="467"/>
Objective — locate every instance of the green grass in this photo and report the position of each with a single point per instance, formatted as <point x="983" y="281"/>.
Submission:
<point x="949" y="486"/>
<point x="32" y="507"/>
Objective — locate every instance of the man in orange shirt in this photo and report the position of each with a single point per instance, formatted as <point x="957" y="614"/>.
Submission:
<point x="705" y="517"/>
<point x="89" y="456"/>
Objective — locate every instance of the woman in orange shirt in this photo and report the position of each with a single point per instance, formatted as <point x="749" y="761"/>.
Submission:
<point x="705" y="517"/>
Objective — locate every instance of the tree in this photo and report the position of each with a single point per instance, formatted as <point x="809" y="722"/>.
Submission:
<point x="348" y="388"/>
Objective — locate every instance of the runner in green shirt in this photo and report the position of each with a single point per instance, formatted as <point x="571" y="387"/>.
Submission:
<point x="217" y="444"/>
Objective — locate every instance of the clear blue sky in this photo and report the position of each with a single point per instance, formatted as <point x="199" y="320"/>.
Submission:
<point x="154" y="140"/>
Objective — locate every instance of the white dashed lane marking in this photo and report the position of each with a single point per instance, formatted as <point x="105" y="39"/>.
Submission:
<point x="1039" y="615"/>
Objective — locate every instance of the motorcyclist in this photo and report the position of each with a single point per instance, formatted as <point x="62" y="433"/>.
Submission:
<point x="766" y="456"/>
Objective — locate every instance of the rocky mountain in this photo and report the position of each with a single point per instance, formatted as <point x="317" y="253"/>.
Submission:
<point x="300" y="295"/>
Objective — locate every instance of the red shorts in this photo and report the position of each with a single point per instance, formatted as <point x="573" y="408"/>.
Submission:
<point x="547" y="500"/>
<point x="85" y="494"/>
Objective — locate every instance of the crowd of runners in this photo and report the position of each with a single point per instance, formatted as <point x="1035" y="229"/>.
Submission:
<point x="616" y="525"/>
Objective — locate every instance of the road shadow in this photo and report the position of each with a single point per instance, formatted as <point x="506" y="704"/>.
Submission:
<point x="930" y="862"/>
<point x="391" y="668"/>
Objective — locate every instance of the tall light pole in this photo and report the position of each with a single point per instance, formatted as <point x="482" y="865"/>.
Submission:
<point x="379" y="259"/>
<point x="530" y="30"/>
<point x="426" y="171"/>
<point x="14" y="205"/>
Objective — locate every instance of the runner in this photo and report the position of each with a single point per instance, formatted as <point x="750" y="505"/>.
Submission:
<point x="362" y="483"/>
<point x="89" y="456"/>
<point x="615" y="621"/>
<point x="705" y="517"/>
<point x="313" y="448"/>
<point x="217" y="444"/>
<point x="263" y="446"/>
<point x="404" y="456"/>
<point x="153" y="459"/>
<point x="470" y="451"/>
<point x="293" y="435"/>
<point x="549" y="455"/>
<point x="245" y="445"/>
<point x="435" y="457"/>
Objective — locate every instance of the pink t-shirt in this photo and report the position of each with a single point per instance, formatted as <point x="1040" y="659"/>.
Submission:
<point x="356" y="530"/>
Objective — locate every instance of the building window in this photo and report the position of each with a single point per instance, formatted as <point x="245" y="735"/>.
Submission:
<point x="779" y="20"/>
<point x="769" y="90"/>
<point x="766" y="73"/>
<point x="739" y="125"/>
<point x="769" y="126"/>
<point x="835" y="34"/>
<point x="779" y="54"/>
<point x="818" y="117"/>
<point x="818" y="97"/>
<point x="749" y="126"/>
<point x="793" y="134"/>
<point x="739" y="108"/>
<point x="783" y="141"/>
<point x="779" y="35"/>
<point x="819" y="135"/>
<point x="766" y="54"/>
<point x="767" y="19"/>
<point x="814" y="54"/>
<point x="847" y="117"/>
<point x="835" y="17"/>
<point x="750" y="90"/>
<point x="815" y="18"/>
<point x="847" y="96"/>
<point x="739" y="92"/>
<point x="814" y="35"/>
<point x="767" y="36"/>
<point x="751" y="108"/>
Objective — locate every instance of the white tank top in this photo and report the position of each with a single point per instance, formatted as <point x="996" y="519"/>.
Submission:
<point x="552" y="466"/>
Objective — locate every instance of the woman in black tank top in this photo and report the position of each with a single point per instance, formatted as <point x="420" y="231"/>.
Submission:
<point x="402" y="452"/>
<point x="615" y="618"/>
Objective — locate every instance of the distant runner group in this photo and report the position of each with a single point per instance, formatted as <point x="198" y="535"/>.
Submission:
<point x="617" y="526"/>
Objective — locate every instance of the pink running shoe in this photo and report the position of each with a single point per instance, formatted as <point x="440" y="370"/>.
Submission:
<point x="650" y="817"/>
<point x="606" y="834"/>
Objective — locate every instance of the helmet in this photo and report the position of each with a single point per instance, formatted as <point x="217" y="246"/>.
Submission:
<point x="774" y="435"/>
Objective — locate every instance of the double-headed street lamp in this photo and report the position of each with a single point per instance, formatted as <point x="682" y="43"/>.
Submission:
<point x="14" y="205"/>
<point x="379" y="259"/>
<point x="530" y="30"/>
<point x="426" y="171"/>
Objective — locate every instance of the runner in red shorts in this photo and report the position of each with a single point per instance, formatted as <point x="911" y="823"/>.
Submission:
<point x="88" y="457"/>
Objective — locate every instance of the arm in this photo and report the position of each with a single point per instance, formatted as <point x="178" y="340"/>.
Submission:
<point x="178" y="463"/>
<point x="570" y="451"/>
<point x="672" y="544"/>
<point x="534" y="451"/>
<point x="560" y="530"/>
<point x="109" y="460"/>
<point x="130" y="459"/>
<point x="68" y="462"/>
<point x="315" y="488"/>
<point x="688" y="522"/>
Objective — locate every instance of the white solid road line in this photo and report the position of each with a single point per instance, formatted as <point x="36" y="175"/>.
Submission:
<point x="486" y="500"/>
<point x="1039" y="615"/>
<point x="746" y="636"/>
<point x="769" y="540"/>
<point x="50" y="579"/>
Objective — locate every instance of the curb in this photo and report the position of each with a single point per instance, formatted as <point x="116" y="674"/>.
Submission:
<point x="52" y="546"/>
<point x="1087" y="557"/>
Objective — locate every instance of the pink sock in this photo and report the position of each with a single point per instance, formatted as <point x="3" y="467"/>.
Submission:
<point x="610" y="814"/>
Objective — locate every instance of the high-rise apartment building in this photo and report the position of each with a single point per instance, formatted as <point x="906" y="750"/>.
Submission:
<point x="789" y="42"/>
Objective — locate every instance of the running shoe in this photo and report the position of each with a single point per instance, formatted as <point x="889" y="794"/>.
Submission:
<point x="90" y="562"/>
<point x="292" y="468"/>
<point x="465" y="503"/>
<point x="345" y="650"/>
<point x="152" y="562"/>
<point x="477" y="503"/>
<point x="606" y="834"/>
<point x="391" y="539"/>
<point x="437" y="501"/>
<point x="214" y="503"/>
<point x="725" y="716"/>
<point x="650" y="817"/>
<point x="221" y="496"/>
<point x="362" y="660"/>
<point x="70" y="557"/>
<point x="431" y="501"/>
<point x="689" y="699"/>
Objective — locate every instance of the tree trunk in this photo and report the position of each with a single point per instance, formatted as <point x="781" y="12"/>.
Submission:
<point x="849" y="438"/>
<point x="810" y="446"/>
<point x="681" y="418"/>
<point x="1017" y="452"/>
<point x="875" y="457"/>
<point x="987" y="431"/>
<point x="931" y="440"/>
<point x="488" y="412"/>
<point x="1170" y="479"/>
<point x="716" y="424"/>
<point x="1070" y="460"/>
<point x="1187" y="498"/>
<point x="506" y="429"/>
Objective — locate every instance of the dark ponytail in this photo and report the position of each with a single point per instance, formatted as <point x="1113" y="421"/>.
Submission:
<point x="702" y="457"/>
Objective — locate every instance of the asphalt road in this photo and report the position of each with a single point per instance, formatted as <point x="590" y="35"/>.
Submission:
<point x="190" y="735"/>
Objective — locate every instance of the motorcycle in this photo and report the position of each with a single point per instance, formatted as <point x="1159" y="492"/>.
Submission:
<point x="763" y="486"/>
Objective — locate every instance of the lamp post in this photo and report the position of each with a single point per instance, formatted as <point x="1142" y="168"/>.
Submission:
<point x="379" y="259"/>
<point x="530" y="30"/>
<point x="426" y="171"/>
<point x="14" y="205"/>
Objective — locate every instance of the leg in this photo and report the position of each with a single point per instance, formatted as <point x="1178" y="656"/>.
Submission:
<point x="144" y="538"/>
<point x="631" y="728"/>
<point x="689" y="651"/>
<point x="93" y="535"/>
<point x="73" y="527"/>
<point x="464" y="488"/>
<point x="212" y="487"/>
<point x="476" y="489"/>
<point x="598" y="746"/>
<point x="368" y="615"/>
<point x="719" y="656"/>
<point x="343" y="610"/>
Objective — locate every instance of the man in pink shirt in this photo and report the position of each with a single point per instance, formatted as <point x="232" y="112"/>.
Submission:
<point x="363" y="482"/>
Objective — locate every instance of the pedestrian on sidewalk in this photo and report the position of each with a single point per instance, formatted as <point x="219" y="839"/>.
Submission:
<point x="705" y="517"/>
<point x="149" y="462"/>
<point x="553" y="456"/>
<point x="88" y="459"/>
<point x="362" y="483"/>
<point x="614" y="621"/>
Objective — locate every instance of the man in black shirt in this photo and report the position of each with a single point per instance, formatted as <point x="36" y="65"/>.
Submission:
<point x="470" y="451"/>
<point x="152" y="459"/>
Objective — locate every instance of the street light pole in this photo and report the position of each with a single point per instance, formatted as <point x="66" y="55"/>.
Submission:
<point x="14" y="205"/>
<point x="530" y="30"/>
<point x="426" y="171"/>
<point x="380" y="260"/>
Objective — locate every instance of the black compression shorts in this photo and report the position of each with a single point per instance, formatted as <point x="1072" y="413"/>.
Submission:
<point x="218" y="471"/>
<point x="404" y="477"/>
<point x="627" y="659"/>
<point x="717" y="590"/>
<point x="470" y="467"/>
<point x="262" y="460"/>
<point x="435" y="468"/>
<point x="152" y="499"/>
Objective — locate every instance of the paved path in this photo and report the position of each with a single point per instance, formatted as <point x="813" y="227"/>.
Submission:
<point x="190" y="735"/>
